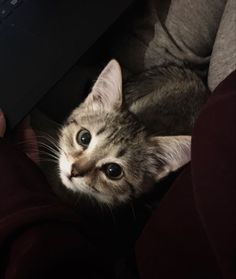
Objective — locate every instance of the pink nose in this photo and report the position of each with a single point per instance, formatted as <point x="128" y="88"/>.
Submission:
<point x="81" y="168"/>
<point x="74" y="171"/>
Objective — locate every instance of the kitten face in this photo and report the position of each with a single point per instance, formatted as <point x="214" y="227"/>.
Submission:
<point x="107" y="153"/>
<point x="111" y="166"/>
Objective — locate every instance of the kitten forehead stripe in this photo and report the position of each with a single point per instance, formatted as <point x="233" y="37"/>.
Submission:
<point x="101" y="130"/>
<point x="121" y="152"/>
<point x="71" y="121"/>
<point x="112" y="134"/>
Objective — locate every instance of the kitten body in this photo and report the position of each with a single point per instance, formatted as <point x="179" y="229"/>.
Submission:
<point x="170" y="96"/>
<point x="116" y="145"/>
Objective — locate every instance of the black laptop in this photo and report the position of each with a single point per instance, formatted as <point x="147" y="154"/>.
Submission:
<point x="40" y="40"/>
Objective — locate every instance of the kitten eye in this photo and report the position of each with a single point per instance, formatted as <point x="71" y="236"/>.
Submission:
<point x="83" y="138"/>
<point x="113" y="171"/>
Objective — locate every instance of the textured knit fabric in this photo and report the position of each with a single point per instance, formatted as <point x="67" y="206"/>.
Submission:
<point x="194" y="32"/>
<point x="223" y="58"/>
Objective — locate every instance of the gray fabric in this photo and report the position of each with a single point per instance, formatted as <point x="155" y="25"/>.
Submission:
<point x="180" y="32"/>
<point x="158" y="31"/>
<point x="187" y="33"/>
<point x="223" y="60"/>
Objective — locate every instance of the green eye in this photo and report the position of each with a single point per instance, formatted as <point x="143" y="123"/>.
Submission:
<point x="113" y="171"/>
<point x="83" y="138"/>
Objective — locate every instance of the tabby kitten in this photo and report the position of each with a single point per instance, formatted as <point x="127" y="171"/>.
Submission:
<point x="115" y="146"/>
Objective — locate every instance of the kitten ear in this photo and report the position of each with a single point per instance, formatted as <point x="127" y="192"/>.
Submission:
<point x="167" y="154"/>
<point x="107" y="90"/>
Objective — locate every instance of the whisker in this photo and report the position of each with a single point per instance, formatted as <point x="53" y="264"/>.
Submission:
<point x="133" y="211"/>
<point x="32" y="145"/>
<point x="49" y="138"/>
<point x="112" y="215"/>
<point x="48" y="160"/>
<point x="49" y="152"/>
<point x="49" y="156"/>
<point x="102" y="208"/>
<point x="49" y="148"/>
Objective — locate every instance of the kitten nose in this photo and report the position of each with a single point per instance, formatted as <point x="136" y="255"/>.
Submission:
<point x="74" y="171"/>
<point x="81" y="168"/>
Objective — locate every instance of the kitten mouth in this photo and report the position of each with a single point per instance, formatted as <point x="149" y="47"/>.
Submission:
<point x="70" y="181"/>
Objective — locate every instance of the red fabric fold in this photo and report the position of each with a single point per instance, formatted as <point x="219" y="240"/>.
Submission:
<point x="193" y="232"/>
<point x="40" y="237"/>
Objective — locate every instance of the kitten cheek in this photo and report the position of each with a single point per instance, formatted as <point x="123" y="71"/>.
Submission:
<point x="66" y="182"/>
<point x="64" y="164"/>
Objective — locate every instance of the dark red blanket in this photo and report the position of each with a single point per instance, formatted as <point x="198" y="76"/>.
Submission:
<point x="192" y="234"/>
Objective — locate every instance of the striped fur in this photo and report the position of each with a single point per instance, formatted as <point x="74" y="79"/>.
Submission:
<point x="130" y="131"/>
